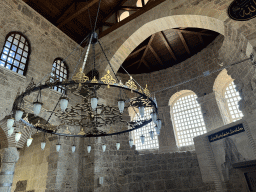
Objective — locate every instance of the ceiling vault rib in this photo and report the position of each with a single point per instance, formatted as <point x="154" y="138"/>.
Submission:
<point x="133" y="63"/>
<point x="184" y="42"/>
<point x="167" y="45"/>
<point x="139" y="50"/>
<point x="192" y="32"/>
<point x="145" y="52"/>
<point x="77" y="13"/>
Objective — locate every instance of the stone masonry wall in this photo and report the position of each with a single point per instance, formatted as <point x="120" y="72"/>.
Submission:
<point x="127" y="170"/>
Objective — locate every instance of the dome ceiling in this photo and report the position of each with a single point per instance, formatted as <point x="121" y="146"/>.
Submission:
<point x="166" y="49"/>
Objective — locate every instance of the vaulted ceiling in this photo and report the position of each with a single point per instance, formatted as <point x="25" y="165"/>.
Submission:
<point x="73" y="16"/>
<point x="166" y="49"/>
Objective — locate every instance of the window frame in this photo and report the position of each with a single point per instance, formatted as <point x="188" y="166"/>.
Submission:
<point x="15" y="52"/>
<point x="226" y="102"/>
<point x="178" y="144"/>
<point x="67" y="68"/>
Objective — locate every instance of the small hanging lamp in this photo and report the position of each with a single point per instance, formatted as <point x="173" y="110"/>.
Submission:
<point x="58" y="145"/>
<point x="157" y="130"/>
<point x="121" y="105"/>
<point x="104" y="147"/>
<point x="154" y="117"/>
<point x="131" y="142"/>
<point x="94" y="102"/>
<point x="159" y="123"/>
<point x="73" y="148"/>
<point x="63" y="103"/>
<point x="37" y="107"/>
<point x="43" y="143"/>
<point x="29" y="141"/>
<point x="118" y="146"/>
<point x="89" y="148"/>
<point x="151" y="133"/>
<point x="18" y="114"/>
<point x="142" y="138"/>
<point x="17" y="136"/>
<point x="141" y="110"/>
<point x="10" y="123"/>
<point x="10" y="131"/>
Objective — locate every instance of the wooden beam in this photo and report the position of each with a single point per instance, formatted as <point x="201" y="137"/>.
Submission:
<point x="131" y="17"/>
<point x="146" y="50"/>
<point x="191" y="32"/>
<point x="201" y="39"/>
<point x="139" y="50"/>
<point x="145" y="63"/>
<point x="167" y="45"/>
<point x="155" y="54"/>
<point x="77" y="13"/>
<point x="184" y="42"/>
<point x="108" y="24"/>
<point x="65" y="11"/>
<point x="133" y="63"/>
<point x="130" y="8"/>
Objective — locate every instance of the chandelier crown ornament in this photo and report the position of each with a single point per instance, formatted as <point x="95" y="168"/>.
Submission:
<point x="108" y="79"/>
<point x="131" y="84"/>
<point x="80" y="77"/>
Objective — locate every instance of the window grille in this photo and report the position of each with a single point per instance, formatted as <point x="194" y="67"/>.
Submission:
<point x="187" y="119"/>
<point x="149" y="143"/>
<point x="15" y="53"/>
<point x="232" y="96"/>
<point x="60" y="71"/>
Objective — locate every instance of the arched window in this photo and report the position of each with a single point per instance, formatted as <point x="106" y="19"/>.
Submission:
<point x="149" y="142"/>
<point x="60" y="71"/>
<point x="232" y="96"/>
<point x="15" y="53"/>
<point x="187" y="118"/>
<point x="124" y="15"/>
<point x="139" y="3"/>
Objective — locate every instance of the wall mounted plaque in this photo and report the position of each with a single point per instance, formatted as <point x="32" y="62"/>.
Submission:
<point x="242" y="10"/>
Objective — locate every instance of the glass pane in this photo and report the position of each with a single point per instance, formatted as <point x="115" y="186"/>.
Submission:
<point x="4" y="57"/>
<point x="14" y="47"/>
<point x="18" y="57"/>
<point x="10" y="60"/>
<point x="26" y="48"/>
<point x="19" y="51"/>
<point x="17" y="36"/>
<point x="21" y="72"/>
<point x="22" y="66"/>
<point x="10" y="39"/>
<point x="16" y="63"/>
<point x="23" y="60"/>
<point x="1" y="63"/>
<point x="21" y="45"/>
<point x="8" y="66"/>
<point x="25" y="54"/>
<point x="7" y="44"/>
<point x="12" y="54"/>
<point x="15" y="42"/>
<point x="14" y="69"/>
<point x="6" y="51"/>
<point x="22" y="39"/>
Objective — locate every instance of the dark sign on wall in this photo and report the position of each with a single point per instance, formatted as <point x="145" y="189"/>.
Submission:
<point x="226" y="133"/>
<point x="242" y="10"/>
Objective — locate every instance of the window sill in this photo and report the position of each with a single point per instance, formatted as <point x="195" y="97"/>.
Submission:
<point x="12" y="72"/>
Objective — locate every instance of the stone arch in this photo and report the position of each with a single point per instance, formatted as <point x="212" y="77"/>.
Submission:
<point x="178" y="95"/>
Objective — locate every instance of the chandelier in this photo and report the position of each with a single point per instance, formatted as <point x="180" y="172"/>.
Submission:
<point x="88" y="118"/>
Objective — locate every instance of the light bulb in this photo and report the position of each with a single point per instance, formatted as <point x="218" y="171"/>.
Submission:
<point x="57" y="147"/>
<point x="131" y="142"/>
<point x="89" y="148"/>
<point x="10" y="131"/>
<point x="63" y="103"/>
<point x="141" y="110"/>
<point x="121" y="106"/>
<point x="17" y="136"/>
<point x="159" y="123"/>
<point x="37" y="107"/>
<point x="142" y="138"/>
<point x="154" y="117"/>
<point x="43" y="145"/>
<point x="117" y="146"/>
<point x="104" y="147"/>
<point x="29" y="141"/>
<point x="151" y="133"/>
<point x="18" y="114"/>
<point x="10" y="123"/>
<point x="73" y="148"/>
<point x="94" y="102"/>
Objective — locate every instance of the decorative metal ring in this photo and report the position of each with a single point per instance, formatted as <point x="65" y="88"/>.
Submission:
<point x="33" y="89"/>
<point x="7" y="173"/>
